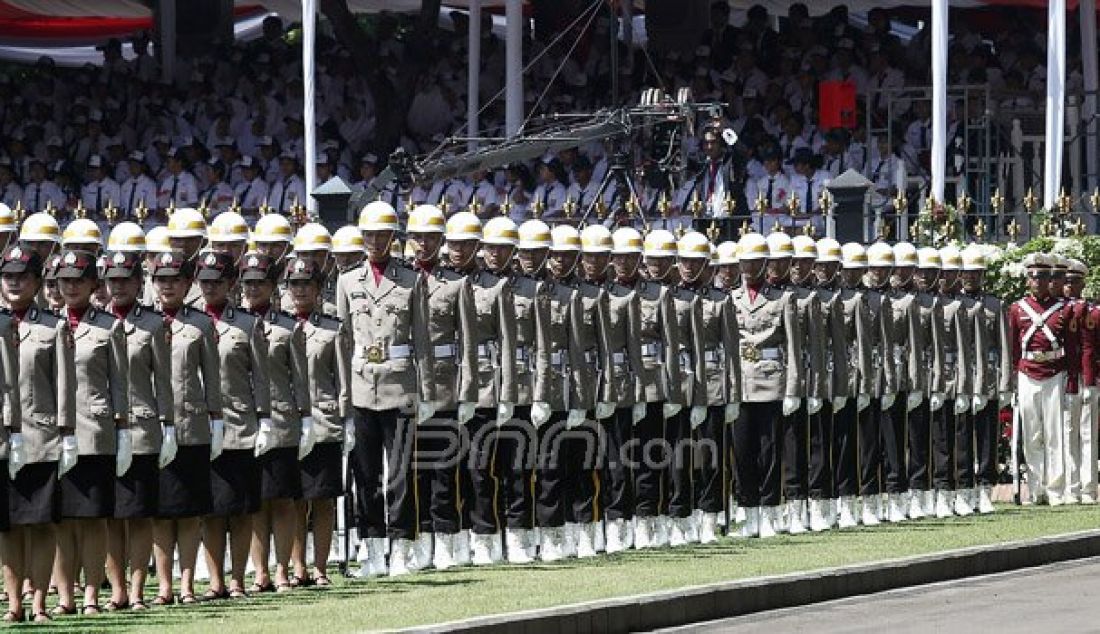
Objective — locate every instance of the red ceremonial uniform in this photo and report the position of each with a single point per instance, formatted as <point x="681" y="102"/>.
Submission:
<point x="1033" y="351"/>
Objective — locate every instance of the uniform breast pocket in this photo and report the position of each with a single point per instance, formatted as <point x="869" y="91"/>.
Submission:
<point x="484" y="306"/>
<point x="770" y="369"/>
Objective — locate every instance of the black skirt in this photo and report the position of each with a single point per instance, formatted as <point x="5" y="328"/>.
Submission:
<point x="136" y="491"/>
<point x="184" y="487"/>
<point x="88" y="489"/>
<point x="235" y="483"/>
<point x="34" y="496"/>
<point x="279" y="475"/>
<point x="323" y="472"/>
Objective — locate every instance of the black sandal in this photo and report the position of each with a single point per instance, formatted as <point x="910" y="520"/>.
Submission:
<point x="113" y="606"/>
<point x="61" y="610"/>
<point x="138" y="606"/>
<point x="258" y="589"/>
<point x="41" y="617"/>
<point x="322" y="581"/>
<point x="13" y="617"/>
<point x="214" y="595"/>
<point x="237" y="594"/>
<point x="188" y="599"/>
<point x="91" y="610"/>
<point x="164" y="600"/>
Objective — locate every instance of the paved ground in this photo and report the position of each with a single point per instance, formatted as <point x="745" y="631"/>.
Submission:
<point x="1057" y="598"/>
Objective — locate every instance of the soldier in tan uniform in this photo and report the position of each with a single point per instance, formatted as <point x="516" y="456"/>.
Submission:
<point x="228" y="233"/>
<point x="348" y="250"/>
<point x="246" y="393"/>
<point x="156" y="243"/>
<point x="43" y="426"/>
<point x="385" y="304"/>
<point x="728" y="275"/>
<point x="771" y="385"/>
<point x="313" y="242"/>
<point x="959" y="373"/>
<point x="149" y="361"/>
<point x="931" y="329"/>
<point x="289" y="433"/>
<point x="184" y="487"/>
<point x="187" y="234"/>
<point x="102" y="434"/>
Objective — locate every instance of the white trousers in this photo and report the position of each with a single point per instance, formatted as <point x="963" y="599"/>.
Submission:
<point x="1041" y="434"/>
<point x="1080" y="433"/>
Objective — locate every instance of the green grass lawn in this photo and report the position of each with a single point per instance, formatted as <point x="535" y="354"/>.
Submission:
<point x="432" y="597"/>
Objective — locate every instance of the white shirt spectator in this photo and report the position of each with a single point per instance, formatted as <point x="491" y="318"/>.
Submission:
<point x="98" y="194"/>
<point x="251" y="195"/>
<point x="180" y="189"/>
<point x="218" y="197"/>
<point x="37" y="195"/>
<point x="286" y="193"/>
<point x="135" y="191"/>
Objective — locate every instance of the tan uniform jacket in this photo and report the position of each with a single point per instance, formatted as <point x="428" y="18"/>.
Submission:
<point x="908" y="341"/>
<point x="835" y="344"/>
<point x="392" y="363"/>
<point x="770" y="345"/>
<point x="993" y="363"/>
<point x="659" y="379"/>
<point x="196" y="375"/>
<point x="47" y="383"/>
<point x="620" y="380"/>
<point x="930" y="315"/>
<point x="718" y="334"/>
<point x="593" y="327"/>
<point x="10" y="400"/>
<point x="958" y="347"/>
<point x="493" y="331"/>
<point x="149" y="357"/>
<point x="287" y="374"/>
<point x="812" y="325"/>
<point x="450" y="305"/>
<point x="882" y="343"/>
<point x="532" y="352"/>
<point x="857" y="340"/>
<point x="567" y="387"/>
<point x="689" y="323"/>
<point x="102" y="381"/>
<point x="328" y="362"/>
<point x="246" y="387"/>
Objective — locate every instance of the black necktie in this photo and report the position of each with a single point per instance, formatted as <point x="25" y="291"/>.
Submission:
<point x="244" y="194"/>
<point x="37" y="192"/>
<point x="175" y="188"/>
<point x="771" y="183"/>
<point x="282" y="194"/>
<point x="808" y="207"/>
<point x="130" y="202"/>
<point x="99" y="197"/>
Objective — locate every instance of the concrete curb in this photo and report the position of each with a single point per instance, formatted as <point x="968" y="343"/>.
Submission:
<point x="736" y="598"/>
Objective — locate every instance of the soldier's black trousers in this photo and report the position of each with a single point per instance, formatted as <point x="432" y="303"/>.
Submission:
<point x="987" y="433"/>
<point x="517" y="444"/>
<point x="821" y="453"/>
<point x="845" y="449"/>
<point x="482" y="500"/>
<point x="757" y="455"/>
<point x="617" y="481"/>
<point x="678" y="440"/>
<point x="647" y="456"/>
<point x="710" y="461"/>
<point x="383" y="435"/>
<point x="964" y="450"/>
<point x="893" y="446"/>
<point x="870" y="451"/>
<point x="920" y="442"/>
<point x="550" y="474"/>
<point x="943" y="447"/>
<point x="440" y="451"/>
<point x="796" y="453"/>
<point x="581" y="452"/>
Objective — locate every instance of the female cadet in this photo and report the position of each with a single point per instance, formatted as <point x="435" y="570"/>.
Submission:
<point x="234" y="470"/>
<point x="103" y="439"/>
<point x="184" y="484"/>
<point x="47" y="400"/>
<point x="328" y="355"/>
<point x="149" y="360"/>
<point x="278" y="440"/>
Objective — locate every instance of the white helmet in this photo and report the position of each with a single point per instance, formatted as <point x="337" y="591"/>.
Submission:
<point x="312" y="236"/>
<point x="565" y="238"/>
<point x="905" y="254"/>
<point x="82" y="232"/>
<point x="534" y="234"/>
<point x="780" y="245"/>
<point x="426" y="219"/>
<point x="500" y="230"/>
<point x="693" y="245"/>
<point x="186" y="223"/>
<point x="597" y="239"/>
<point x="126" y="237"/>
<point x="727" y="252"/>
<point x="951" y="258"/>
<point x="40" y="227"/>
<point x="625" y="241"/>
<point x="1075" y="266"/>
<point x="464" y="226"/>
<point x="156" y="241"/>
<point x="853" y="256"/>
<point x="752" y="246"/>
<point x="928" y="258"/>
<point x="828" y="250"/>
<point x="376" y="216"/>
<point x="7" y="219"/>
<point x="880" y="254"/>
<point x="228" y="226"/>
<point x="974" y="260"/>
<point x="805" y="248"/>
<point x="273" y="228"/>
<point x="348" y="240"/>
<point x="659" y="244"/>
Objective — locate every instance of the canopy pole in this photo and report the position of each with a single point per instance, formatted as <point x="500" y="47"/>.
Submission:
<point x="473" y="75"/>
<point x="1056" y="101"/>
<point x="309" y="29"/>
<point x="513" y="72"/>
<point x="1092" y="84"/>
<point x="939" y="98"/>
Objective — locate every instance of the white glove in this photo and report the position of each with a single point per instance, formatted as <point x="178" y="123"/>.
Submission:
<point x="1070" y="400"/>
<point x="1089" y="393"/>
<point x="307" y="439"/>
<point x="813" y="405"/>
<point x="863" y="401"/>
<point x="466" y="412"/>
<point x="124" y="453"/>
<point x="574" y="419"/>
<point x="604" y="410"/>
<point x="540" y="413"/>
<point x="424" y="412"/>
<point x="913" y="400"/>
<point x="790" y="405"/>
<point x="68" y="455"/>
<point x="978" y="403"/>
<point x="697" y="415"/>
<point x="263" y="437"/>
<point x="505" y="412"/>
<point x="637" y="413"/>
<point x="733" y="412"/>
<point x="962" y="403"/>
<point x="935" y="402"/>
<point x="669" y="410"/>
<point x="168" y="447"/>
<point x="16" y="457"/>
<point x="217" y="437"/>
<point x="349" y="435"/>
<point x="887" y="401"/>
